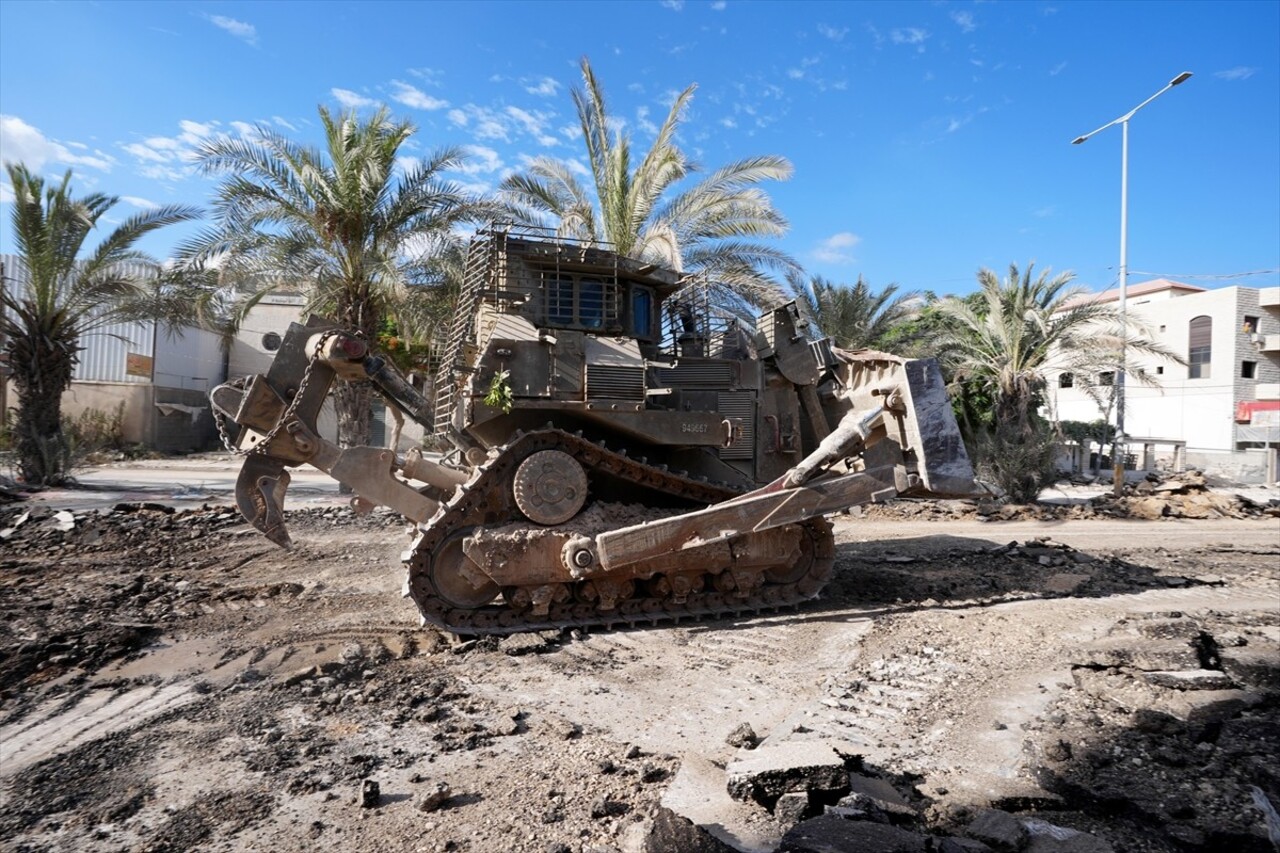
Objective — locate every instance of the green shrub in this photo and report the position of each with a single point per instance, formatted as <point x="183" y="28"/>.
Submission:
<point x="94" y="432"/>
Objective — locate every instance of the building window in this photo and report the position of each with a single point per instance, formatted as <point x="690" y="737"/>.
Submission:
<point x="1066" y="380"/>
<point x="1160" y="370"/>
<point x="1250" y="326"/>
<point x="1199" y="347"/>
<point x="1107" y="378"/>
<point x="1249" y="370"/>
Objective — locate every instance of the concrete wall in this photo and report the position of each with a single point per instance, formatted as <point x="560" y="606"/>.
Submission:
<point x="171" y="420"/>
<point x="107" y="397"/>
<point x="1240" y="466"/>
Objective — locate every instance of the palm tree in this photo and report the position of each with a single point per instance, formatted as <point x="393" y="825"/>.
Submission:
<point x="856" y="317"/>
<point x="344" y="224"/>
<point x="1001" y="348"/>
<point x="65" y="298"/>
<point x="710" y="228"/>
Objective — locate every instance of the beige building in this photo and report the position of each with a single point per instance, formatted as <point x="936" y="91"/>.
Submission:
<point x="1223" y="406"/>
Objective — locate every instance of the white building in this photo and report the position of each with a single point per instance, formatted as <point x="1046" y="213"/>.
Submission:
<point x="160" y="381"/>
<point x="1224" y="404"/>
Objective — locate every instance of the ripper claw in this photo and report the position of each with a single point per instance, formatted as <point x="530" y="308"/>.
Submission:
<point x="260" y="497"/>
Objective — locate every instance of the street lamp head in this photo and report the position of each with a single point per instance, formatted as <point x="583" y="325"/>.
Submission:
<point x="1078" y="140"/>
<point x="1181" y="78"/>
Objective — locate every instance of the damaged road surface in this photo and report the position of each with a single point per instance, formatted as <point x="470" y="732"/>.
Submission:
<point x="169" y="681"/>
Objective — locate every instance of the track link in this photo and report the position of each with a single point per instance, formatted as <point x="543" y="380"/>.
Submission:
<point x="485" y="500"/>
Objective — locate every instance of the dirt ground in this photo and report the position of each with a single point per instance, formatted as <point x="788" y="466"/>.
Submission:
<point x="172" y="681"/>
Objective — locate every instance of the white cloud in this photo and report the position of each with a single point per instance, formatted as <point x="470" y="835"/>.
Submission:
<point x="137" y="201"/>
<point x="1240" y="72"/>
<point x="728" y="122"/>
<point x="282" y="123"/>
<point x="673" y="5"/>
<point x="351" y="100"/>
<point x="480" y="160"/>
<point x="172" y="158"/>
<point x="476" y="188"/>
<point x="954" y="124"/>
<point x="718" y="6"/>
<point x="534" y="123"/>
<point x="578" y="167"/>
<point x="22" y="143"/>
<point x="837" y="249"/>
<point x="795" y="74"/>
<point x="247" y="33"/>
<point x="964" y="20"/>
<point x="1044" y="212"/>
<point x="643" y="122"/>
<point x="430" y="76"/>
<point x="145" y="151"/>
<point x="412" y="96"/>
<point x="910" y="36"/>
<point x="458" y="117"/>
<point x="193" y="131"/>
<point x="1058" y="69"/>
<point x="544" y="86"/>
<point x="833" y="33"/>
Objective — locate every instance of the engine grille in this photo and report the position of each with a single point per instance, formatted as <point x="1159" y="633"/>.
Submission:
<point x="696" y="374"/>
<point x="610" y="382"/>
<point x="740" y="407"/>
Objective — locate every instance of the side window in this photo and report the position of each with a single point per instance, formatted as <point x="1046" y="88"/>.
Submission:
<point x="591" y="303"/>
<point x="560" y="299"/>
<point x="641" y="312"/>
<point x="1066" y="380"/>
<point x="1199" y="347"/>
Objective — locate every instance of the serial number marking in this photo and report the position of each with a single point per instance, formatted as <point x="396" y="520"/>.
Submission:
<point x="693" y="427"/>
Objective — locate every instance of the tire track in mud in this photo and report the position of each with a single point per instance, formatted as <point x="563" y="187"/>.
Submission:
<point x="681" y="688"/>
<point x="94" y="716"/>
<point x="878" y="710"/>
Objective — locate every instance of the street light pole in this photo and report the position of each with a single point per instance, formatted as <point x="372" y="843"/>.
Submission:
<point x="1123" y="121"/>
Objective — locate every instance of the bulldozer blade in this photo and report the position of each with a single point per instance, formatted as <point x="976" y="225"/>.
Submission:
<point x="942" y="463"/>
<point x="260" y="497"/>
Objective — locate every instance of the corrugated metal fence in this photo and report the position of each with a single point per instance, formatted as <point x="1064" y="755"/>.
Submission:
<point x="117" y="352"/>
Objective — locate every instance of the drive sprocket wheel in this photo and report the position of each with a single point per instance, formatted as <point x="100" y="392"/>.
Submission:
<point x="550" y="487"/>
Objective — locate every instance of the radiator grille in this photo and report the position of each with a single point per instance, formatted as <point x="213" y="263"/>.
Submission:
<point x="608" y="382"/>
<point x="739" y="407"/>
<point x="697" y="375"/>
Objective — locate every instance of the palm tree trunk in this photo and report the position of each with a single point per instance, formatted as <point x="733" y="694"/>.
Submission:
<point x="353" y="402"/>
<point x="41" y="374"/>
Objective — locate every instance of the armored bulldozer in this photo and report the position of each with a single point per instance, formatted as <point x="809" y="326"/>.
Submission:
<point x="618" y="450"/>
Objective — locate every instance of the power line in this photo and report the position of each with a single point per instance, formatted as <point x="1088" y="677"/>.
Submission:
<point x="1216" y="276"/>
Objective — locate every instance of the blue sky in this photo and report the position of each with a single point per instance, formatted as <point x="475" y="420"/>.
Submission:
<point x="929" y="138"/>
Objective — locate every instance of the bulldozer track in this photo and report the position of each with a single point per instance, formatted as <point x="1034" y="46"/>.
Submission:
<point x="485" y="500"/>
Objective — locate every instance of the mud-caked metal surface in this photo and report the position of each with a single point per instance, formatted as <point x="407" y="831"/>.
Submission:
<point x="697" y="583"/>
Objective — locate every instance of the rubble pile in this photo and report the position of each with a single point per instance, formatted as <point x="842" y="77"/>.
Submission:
<point x="1185" y="495"/>
<point x="1165" y="741"/>
<point x="823" y="799"/>
<point x="1173" y="722"/>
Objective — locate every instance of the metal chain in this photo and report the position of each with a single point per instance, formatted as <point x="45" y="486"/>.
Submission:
<point x="261" y="446"/>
